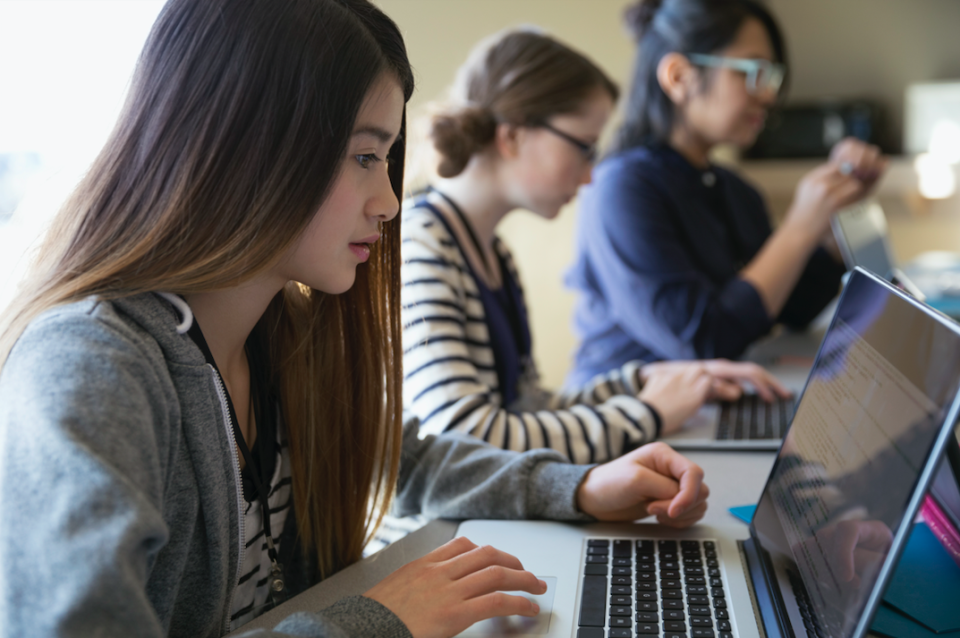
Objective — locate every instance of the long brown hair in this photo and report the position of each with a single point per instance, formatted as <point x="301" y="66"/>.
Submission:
<point x="520" y="77"/>
<point x="234" y="130"/>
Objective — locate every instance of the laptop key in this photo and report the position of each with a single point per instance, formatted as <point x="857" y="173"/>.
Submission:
<point x="647" y="629"/>
<point x="597" y="558"/>
<point x="721" y="614"/>
<point x="622" y="580"/>
<point x="674" y="625"/>
<point x="620" y="590"/>
<point x="595" y="570"/>
<point x="619" y="633"/>
<point x="695" y="580"/>
<point x="591" y="550"/>
<point x="699" y="611"/>
<point x="671" y="584"/>
<point x="647" y="586"/>
<point x="698" y="600"/>
<point x="646" y="577"/>
<point x="648" y="617"/>
<point x="593" y="602"/>
<point x="701" y="621"/>
<point x="621" y="611"/>
<point x="724" y="625"/>
<point x="674" y="614"/>
<point x="701" y="632"/>
<point x="598" y="542"/>
<point x="620" y="621"/>
<point x="671" y="593"/>
<point x="621" y="562"/>
<point x="590" y="632"/>
<point x="647" y="605"/>
<point x="672" y="604"/>
<point x="719" y="603"/>
<point x="623" y="601"/>
<point x="622" y="571"/>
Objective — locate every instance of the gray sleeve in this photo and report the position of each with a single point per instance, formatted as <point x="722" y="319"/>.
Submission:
<point x="455" y="475"/>
<point x="82" y="485"/>
<point x="353" y="617"/>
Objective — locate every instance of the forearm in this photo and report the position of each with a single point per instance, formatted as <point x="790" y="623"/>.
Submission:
<point x="456" y="476"/>
<point x="778" y="266"/>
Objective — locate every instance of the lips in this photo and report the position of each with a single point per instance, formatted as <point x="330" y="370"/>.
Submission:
<point x="361" y="249"/>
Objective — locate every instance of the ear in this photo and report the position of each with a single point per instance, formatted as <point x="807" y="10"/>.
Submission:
<point x="676" y="76"/>
<point x="507" y="140"/>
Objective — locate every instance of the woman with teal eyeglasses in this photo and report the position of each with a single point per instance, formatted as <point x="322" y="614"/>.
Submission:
<point x="676" y="257"/>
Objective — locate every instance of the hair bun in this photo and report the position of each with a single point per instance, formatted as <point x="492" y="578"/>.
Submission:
<point x="638" y="16"/>
<point x="458" y="135"/>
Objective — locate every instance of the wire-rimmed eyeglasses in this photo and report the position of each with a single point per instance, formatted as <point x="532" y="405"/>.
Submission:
<point x="589" y="150"/>
<point x="762" y="75"/>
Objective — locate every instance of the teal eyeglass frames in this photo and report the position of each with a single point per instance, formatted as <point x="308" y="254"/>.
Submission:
<point x="762" y="75"/>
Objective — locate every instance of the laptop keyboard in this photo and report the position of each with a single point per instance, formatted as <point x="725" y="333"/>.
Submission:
<point x="753" y="418"/>
<point x="639" y="588"/>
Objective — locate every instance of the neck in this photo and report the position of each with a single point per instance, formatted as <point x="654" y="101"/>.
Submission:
<point x="227" y="317"/>
<point x="479" y="195"/>
<point x="691" y="146"/>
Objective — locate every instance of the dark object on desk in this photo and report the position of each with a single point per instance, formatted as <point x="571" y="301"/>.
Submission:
<point x="753" y="418"/>
<point x="811" y="130"/>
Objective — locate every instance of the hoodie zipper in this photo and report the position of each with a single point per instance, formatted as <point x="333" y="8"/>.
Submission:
<point x="222" y="395"/>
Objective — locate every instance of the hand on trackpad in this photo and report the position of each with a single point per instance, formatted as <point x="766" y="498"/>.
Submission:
<point x="519" y="625"/>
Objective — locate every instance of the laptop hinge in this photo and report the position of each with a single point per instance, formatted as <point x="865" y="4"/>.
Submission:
<point x="769" y="621"/>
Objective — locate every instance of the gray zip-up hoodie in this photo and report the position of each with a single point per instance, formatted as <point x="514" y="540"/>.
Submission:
<point x="119" y="497"/>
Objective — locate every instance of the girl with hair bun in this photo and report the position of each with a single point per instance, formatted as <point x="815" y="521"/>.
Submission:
<point x="520" y="131"/>
<point x="199" y="396"/>
<point x="675" y="257"/>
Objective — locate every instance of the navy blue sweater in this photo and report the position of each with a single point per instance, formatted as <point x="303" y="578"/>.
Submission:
<point x="659" y="249"/>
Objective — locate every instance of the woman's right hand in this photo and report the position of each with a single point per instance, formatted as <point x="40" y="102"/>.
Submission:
<point x="454" y="586"/>
<point x="853" y="169"/>
<point x="676" y="392"/>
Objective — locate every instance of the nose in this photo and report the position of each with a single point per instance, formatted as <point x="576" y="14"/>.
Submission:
<point x="767" y="97"/>
<point x="586" y="175"/>
<point x="383" y="204"/>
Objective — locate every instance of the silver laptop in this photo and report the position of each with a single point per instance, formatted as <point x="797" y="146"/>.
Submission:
<point x="873" y="421"/>
<point x="751" y="423"/>
<point x="863" y="238"/>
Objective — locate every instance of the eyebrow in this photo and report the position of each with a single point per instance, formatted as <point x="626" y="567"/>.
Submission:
<point x="382" y="135"/>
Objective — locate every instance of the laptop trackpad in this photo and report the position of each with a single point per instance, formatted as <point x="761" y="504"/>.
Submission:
<point x="519" y="625"/>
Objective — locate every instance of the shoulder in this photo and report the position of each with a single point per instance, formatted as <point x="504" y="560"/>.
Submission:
<point x="96" y="337"/>
<point x="422" y="219"/>
<point x="638" y="172"/>
<point x="426" y="233"/>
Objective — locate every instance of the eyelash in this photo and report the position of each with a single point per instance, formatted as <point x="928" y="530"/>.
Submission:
<point x="366" y="159"/>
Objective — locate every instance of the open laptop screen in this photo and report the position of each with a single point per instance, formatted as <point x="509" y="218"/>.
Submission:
<point x="861" y="234"/>
<point x="873" y="408"/>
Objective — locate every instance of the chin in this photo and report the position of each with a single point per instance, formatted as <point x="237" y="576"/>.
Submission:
<point x="336" y="287"/>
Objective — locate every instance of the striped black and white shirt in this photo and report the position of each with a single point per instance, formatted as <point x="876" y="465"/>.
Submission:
<point x="450" y="378"/>
<point x="253" y="590"/>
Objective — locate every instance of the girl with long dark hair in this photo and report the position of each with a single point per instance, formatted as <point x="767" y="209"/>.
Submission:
<point x="200" y="389"/>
